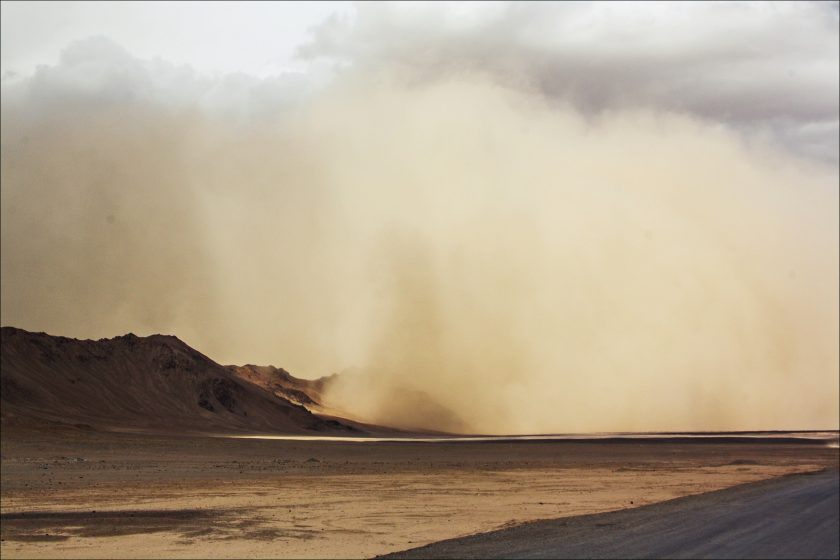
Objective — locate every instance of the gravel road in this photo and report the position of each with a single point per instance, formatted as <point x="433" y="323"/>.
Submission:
<point x="791" y="517"/>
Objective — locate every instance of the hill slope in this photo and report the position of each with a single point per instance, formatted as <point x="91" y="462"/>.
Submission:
<point x="156" y="382"/>
<point x="306" y="392"/>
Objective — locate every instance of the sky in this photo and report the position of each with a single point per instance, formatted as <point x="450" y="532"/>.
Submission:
<point x="493" y="216"/>
<point x="216" y="38"/>
<point x="768" y="67"/>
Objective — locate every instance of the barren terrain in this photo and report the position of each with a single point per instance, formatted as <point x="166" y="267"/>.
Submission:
<point x="144" y="447"/>
<point x="82" y="493"/>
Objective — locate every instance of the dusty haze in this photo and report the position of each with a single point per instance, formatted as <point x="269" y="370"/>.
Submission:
<point x="515" y="265"/>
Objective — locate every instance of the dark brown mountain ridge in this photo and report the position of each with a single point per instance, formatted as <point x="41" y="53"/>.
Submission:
<point x="155" y="383"/>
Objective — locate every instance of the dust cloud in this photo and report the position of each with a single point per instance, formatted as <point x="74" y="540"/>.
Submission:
<point x="481" y="259"/>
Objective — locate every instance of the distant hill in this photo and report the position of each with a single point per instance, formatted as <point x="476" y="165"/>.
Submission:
<point x="154" y="383"/>
<point x="305" y="392"/>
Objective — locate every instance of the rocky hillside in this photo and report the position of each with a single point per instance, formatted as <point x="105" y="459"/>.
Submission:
<point x="156" y="382"/>
<point x="305" y="392"/>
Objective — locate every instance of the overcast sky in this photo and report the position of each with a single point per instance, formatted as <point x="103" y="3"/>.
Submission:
<point x="257" y="38"/>
<point x="768" y="68"/>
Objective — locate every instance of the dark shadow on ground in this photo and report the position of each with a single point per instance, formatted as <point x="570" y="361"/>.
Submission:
<point x="50" y="526"/>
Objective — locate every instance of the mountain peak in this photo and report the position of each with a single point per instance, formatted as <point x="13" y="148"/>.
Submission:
<point x="154" y="382"/>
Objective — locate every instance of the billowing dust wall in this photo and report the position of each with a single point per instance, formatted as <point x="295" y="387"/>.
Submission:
<point x="478" y="258"/>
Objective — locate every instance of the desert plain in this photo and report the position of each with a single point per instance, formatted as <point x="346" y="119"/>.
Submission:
<point x="137" y="447"/>
<point x="83" y="493"/>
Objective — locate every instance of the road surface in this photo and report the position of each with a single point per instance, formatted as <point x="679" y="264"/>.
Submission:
<point x="791" y="517"/>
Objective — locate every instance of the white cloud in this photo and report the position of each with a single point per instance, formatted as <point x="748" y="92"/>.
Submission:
<point x="97" y="71"/>
<point x="256" y="38"/>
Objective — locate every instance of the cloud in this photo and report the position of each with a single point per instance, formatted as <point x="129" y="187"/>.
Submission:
<point x="760" y="67"/>
<point x="764" y="69"/>
<point x="96" y="72"/>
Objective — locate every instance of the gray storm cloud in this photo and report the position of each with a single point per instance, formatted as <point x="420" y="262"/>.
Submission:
<point x="761" y="67"/>
<point x="487" y="258"/>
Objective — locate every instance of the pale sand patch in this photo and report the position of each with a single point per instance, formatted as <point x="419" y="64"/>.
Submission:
<point x="334" y="515"/>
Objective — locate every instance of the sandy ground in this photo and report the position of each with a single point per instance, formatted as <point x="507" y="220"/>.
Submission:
<point x="87" y="494"/>
<point x="795" y="516"/>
